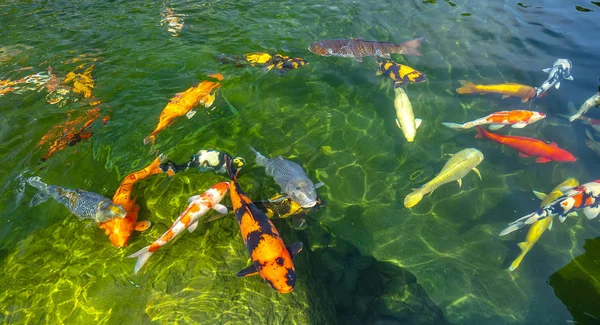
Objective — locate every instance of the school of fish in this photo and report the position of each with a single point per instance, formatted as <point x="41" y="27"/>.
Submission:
<point x="270" y="257"/>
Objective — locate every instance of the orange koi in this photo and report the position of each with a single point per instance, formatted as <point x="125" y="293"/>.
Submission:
<point x="271" y="259"/>
<point x="69" y="132"/>
<point x="517" y="118"/>
<point x="529" y="147"/>
<point x="119" y="231"/>
<point x="507" y="90"/>
<point x="183" y="103"/>
<point x="198" y="207"/>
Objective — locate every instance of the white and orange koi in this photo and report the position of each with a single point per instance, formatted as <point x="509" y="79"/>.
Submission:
<point x="198" y="206"/>
<point x="584" y="197"/>
<point x="516" y="118"/>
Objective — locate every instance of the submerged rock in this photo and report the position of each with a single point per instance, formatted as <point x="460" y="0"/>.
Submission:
<point x="576" y="284"/>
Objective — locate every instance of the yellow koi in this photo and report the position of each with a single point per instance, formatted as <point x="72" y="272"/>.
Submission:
<point x="455" y="169"/>
<point x="539" y="227"/>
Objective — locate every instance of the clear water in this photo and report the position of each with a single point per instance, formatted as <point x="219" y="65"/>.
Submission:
<point x="336" y="118"/>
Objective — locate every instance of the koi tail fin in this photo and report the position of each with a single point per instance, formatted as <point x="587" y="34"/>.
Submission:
<point x="526" y="220"/>
<point x="455" y="126"/>
<point x="537" y="93"/>
<point x="481" y="133"/>
<point x="229" y="168"/>
<point x="412" y="47"/>
<point x="515" y="264"/>
<point x="150" y="139"/>
<point x="466" y="87"/>
<point x="260" y="159"/>
<point x="142" y="257"/>
<point x="42" y="195"/>
<point x="414" y="198"/>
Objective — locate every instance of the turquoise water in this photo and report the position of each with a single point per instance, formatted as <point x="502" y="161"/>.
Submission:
<point x="439" y="260"/>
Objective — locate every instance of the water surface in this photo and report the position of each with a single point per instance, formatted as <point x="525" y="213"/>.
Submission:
<point x="334" y="116"/>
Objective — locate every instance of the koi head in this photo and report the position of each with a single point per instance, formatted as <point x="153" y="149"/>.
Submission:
<point x="302" y="192"/>
<point x="217" y="192"/>
<point x="319" y="48"/>
<point x="109" y="210"/>
<point x="536" y="117"/>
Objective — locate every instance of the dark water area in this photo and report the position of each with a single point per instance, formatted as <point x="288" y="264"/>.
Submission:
<point x="367" y="259"/>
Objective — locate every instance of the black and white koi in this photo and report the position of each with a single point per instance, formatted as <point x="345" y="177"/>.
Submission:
<point x="561" y="69"/>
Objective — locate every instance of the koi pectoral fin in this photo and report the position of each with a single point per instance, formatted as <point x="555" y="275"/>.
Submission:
<point x="143" y="225"/>
<point x="477" y="172"/>
<point x="295" y="248"/>
<point x="193" y="226"/>
<point x="220" y="208"/>
<point x="250" y="270"/>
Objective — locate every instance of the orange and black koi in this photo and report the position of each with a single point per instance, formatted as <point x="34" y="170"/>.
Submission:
<point x="271" y="259"/>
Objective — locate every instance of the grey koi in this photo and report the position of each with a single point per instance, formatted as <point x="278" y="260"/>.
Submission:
<point x="83" y="204"/>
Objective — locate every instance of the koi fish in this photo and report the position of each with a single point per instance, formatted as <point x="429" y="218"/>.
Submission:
<point x="529" y="147"/>
<point x="70" y="132"/>
<point x="279" y="207"/>
<point x="198" y="206"/>
<point x="593" y="122"/>
<point x="517" y="119"/>
<point x="291" y="177"/>
<point x="539" y="227"/>
<point x="561" y="69"/>
<point x="591" y="102"/>
<point x="584" y="197"/>
<point x="457" y="167"/>
<point x="183" y="103"/>
<point x="277" y="61"/>
<point x="205" y="160"/>
<point x="401" y="74"/>
<point x="357" y="48"/>
<point x="405" y="117"/>
<point x="507" y="90"/>
<point x="119" y="230"/>
<point x="83" y="204"/>
<point x="271" y="259"/>
<point x="174" y="22"/>
<point x="592" y="144"/>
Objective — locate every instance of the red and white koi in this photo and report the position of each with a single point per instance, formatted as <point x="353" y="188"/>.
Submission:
<point x="516" y="118"/>
<point x="584" y="197"/>
<point x="198" y="207"/>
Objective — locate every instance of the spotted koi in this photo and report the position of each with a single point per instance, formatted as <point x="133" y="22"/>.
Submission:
<point x="584" y="197"/>
<point x="271" y="259"/>
<point x="198" y="206"/>
<point x="517" y="119"/>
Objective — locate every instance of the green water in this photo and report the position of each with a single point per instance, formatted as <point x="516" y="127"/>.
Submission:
<point x="335" y="117"/>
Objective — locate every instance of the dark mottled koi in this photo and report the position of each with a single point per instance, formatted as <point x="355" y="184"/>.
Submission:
<point x="357" y="48"/>
<point x="270" y="258"/>
<point x="401" y="74"/>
